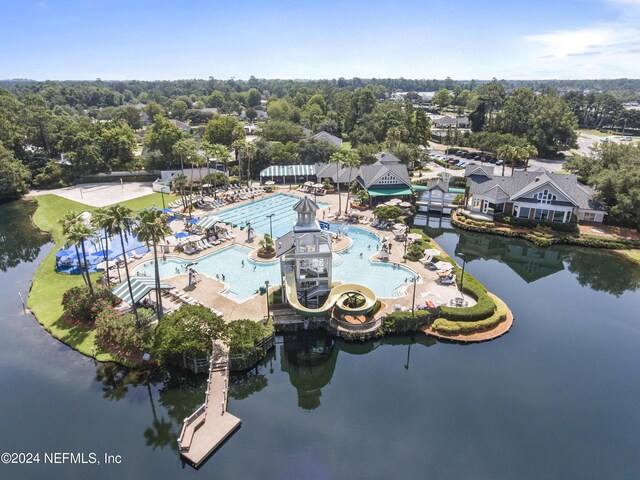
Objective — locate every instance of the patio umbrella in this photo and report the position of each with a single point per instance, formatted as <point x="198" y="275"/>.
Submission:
<point x="393" y="202"/>
<point x="269" y="182"/>
<point x="431" y="251"/>
<point x="399" y="226"/>
<point x="167" y="210"/>
<point x="318" y="185"/>
<point x="434" y="297"/>
<point x="308" y="184"/>
<point x="404" y="204"/>
<point x="102" y="253"/>
<point x="181" y="235"/>
<point x="414" y="236"/>
<point x="445" y="266"/>
<point x="194" y="220"/>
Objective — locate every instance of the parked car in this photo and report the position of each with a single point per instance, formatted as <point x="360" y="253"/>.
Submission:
<point x="461" y="164"/>
<point x="499" y="162"/>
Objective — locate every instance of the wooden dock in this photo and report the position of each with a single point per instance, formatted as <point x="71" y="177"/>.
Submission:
<point x="210" y="425"/>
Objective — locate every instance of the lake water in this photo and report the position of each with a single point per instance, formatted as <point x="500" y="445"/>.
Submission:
<point x="556" y="398"/>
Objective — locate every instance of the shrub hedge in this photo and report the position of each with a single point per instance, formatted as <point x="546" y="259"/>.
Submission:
<point x="449" y="327"/>
<point x="402" y="322"/>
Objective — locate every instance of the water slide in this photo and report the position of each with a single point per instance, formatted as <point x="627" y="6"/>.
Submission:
<point x="335" y="294"/>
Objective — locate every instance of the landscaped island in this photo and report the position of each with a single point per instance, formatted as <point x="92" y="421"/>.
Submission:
<point x="81" y="310"/>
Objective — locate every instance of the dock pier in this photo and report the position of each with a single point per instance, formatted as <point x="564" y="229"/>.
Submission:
<point x="210" y="425"/>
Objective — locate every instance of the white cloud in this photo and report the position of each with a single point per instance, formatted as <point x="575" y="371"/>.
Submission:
<point x="574" y="42"/>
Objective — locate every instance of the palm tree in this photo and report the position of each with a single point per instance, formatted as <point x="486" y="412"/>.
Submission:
<point x="180" y="182"/>
<point x="100" y="220"/>
<point x="121" y="220"/>
<point x="506" y="154"/>
<point x="351" y="161"/>
<point x="529" y="151"/>
<point x="222" y="153"/>
<point x="249" y="150"/>
<point x="238" y="148"/>
<point x="196" y="161"/>
<point x="338" y="159"/>
<point x="152" y="228"/>
<point x="67" y="221"/>
<point x="77" y="234"/>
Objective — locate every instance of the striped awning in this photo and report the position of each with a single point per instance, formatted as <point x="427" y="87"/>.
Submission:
<point x="208" y="222"/>
<point x="140" y="286"/>
<point x="288" y="170"/>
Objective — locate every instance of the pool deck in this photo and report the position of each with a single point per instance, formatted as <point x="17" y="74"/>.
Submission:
<point x="209" y="291"/>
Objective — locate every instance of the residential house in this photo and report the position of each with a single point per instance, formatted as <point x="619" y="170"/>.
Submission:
<point x="181" y="125"/>
<point x="535" y="195"/>
<point x="328" y="138"/>
<point x="449" y="122"/>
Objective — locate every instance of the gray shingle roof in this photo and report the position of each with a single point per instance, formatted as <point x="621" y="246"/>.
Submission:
<point x="327" y="137"/>
<point x="368" y="174"/>
<point x="482" y="184"/>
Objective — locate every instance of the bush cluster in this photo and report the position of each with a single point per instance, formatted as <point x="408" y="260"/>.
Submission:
<point x="570" y="227"/>
<point x="79" y="305"/>
<point x="244" y="334"/>
<point x="121" y="331"/>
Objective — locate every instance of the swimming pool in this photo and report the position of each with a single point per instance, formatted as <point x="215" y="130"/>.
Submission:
<point x="245" y="276"/>
<point x="256" y="212"/>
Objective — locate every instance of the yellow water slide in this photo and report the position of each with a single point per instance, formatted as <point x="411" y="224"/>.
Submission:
<point x="335" y="295"/>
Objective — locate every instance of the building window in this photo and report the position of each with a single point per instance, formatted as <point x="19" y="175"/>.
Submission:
<point x="544" y="196"/>
<point x="558" y="216"/>
<point x="541" y="214"/>
<point x="477" y="203"/>
<point x="589" y="217"/>
<point x="388" y="179"/>
<point x="524" y="212"/>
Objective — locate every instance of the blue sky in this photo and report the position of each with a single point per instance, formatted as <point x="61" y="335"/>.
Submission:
<point x="464" y="39"/>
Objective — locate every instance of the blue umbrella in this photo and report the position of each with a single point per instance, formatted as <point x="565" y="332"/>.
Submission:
<point x="182" y="235"/>
<point x="102" y="253"/>
<point x="167" y="210"/>
<point x="194" y="220"/>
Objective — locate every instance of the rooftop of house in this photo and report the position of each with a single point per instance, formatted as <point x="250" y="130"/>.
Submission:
<point x="329" y="138"/>
<point x="482" y="181"/>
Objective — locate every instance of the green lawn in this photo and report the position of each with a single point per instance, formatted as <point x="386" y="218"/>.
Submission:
<point x="45" y="297"/>
<point x="634" y="255"/>
<point x="152" y="200"/>
<point x="597" y="133"/>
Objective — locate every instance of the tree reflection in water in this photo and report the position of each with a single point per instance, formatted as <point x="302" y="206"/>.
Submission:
<point x="19" y="241"/>
<point x="603" y="271"/>
<point x="178" y="392"/>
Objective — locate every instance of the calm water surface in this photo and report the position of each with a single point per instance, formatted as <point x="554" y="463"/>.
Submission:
<point x="555" y="398"/>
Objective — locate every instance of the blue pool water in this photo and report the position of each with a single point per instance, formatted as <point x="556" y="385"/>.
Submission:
<point x="386" y="280"/>
<point x="256" y="212"/>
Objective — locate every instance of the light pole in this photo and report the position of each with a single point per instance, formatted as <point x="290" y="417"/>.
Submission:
<point x="406" y="237"/>
<point x="162" y="193"/>
<point x="413" y="301"/>
<point x="270" y="217"/>
<point x="266" y="284"/>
